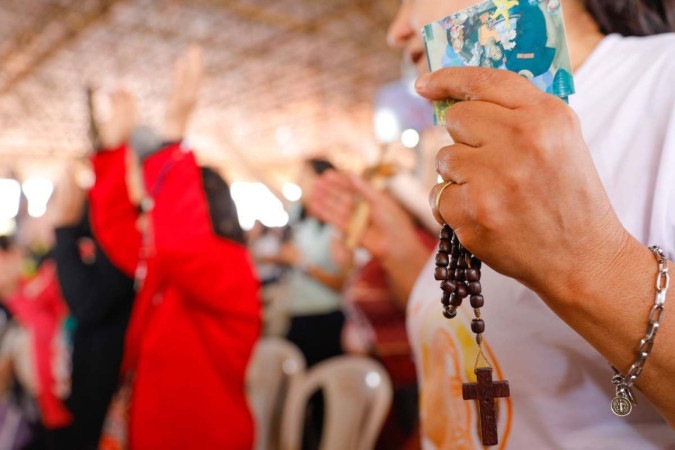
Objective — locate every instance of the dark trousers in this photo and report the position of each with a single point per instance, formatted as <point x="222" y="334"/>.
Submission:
<point x="318" y="337"/>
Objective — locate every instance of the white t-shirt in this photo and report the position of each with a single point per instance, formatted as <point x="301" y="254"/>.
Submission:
<point x="307" y="295"/>
<point x="560" y="386"/>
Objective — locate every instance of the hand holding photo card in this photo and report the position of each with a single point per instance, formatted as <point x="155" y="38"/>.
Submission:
<point x="523" y="36"/>
<point x="526" y="37"/>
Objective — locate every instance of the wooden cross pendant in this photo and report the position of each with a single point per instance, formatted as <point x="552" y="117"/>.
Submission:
<point x="486" y="391"/>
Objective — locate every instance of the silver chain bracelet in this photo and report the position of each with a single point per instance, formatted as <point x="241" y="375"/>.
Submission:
<point x="623" y="402"/>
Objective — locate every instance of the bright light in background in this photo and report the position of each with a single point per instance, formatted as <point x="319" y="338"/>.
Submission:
<point x="410" y="138"/>
<point x="37" y="191"/>
<point x="7" y="227"/>
<point x="387" y="128"/>
<point x="291" y="191"/>
<point x="10" y="196"/>
<point x="256" y="201"/>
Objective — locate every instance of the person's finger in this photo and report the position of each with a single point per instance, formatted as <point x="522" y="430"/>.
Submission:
<point x="328" y="185"/>
<point x="502" y="87"/>
<point x="332" y="198"/>
<point x="195" y="60"/>
<point x="336" y="180"/>
<point x="455" y="162"/>
<point x="335" y="208"/>
<point x="341" y="202"/>
<point x="446" y="203"/>
<point x="372" y="195"/>
<point x="475" y="123"/>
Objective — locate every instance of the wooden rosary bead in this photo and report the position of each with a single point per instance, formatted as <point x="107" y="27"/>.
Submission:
<point x="471" y="275"/>
<point x="444" y="246"/>
<point x="446" y="233"/>
<point x="477" y="326"/>
<point x="441" y="273"/>
<point x="449" y="286"/>
<point x="474" y="288"/>
<point x="461" y="261"/>
<point x="449" y="313"/>
<point x="445" y="300"/>
<point x="476" y="263"/>
<point x="442" y="259"/>
<point x="459" y="275"/>
<point x="461" y="291"/>
<point x="477" y="301"/>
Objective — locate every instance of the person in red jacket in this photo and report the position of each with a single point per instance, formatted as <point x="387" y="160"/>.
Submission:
<point x="197" y="313"/>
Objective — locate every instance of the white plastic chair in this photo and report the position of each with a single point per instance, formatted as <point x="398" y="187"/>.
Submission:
<point x="274" y="366"/>
<point x="357" y="396"/>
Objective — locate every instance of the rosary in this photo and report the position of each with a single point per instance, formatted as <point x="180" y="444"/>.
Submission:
<point x="459" y="273"/>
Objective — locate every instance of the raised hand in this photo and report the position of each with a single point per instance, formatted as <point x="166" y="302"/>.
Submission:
<point x="117" y="129"/>
<point x="187" y="79"/>
<point x="69" y="196"/>
<point x="390" y="236"/>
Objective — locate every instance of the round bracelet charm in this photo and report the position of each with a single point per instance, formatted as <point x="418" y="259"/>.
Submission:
<point x="621" y="406"/>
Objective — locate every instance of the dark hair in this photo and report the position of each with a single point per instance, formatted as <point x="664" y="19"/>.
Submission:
<point x="223" y="211"/>
<point x="6" y="242"/>
<point x="633" y="17"/>
<point x="319" y="165"/>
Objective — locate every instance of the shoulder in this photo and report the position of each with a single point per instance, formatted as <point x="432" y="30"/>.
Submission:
<point x="637" y="73"/>
<point x="652" y="56"/>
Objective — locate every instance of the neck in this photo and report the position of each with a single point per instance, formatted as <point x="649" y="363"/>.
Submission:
<point x="583" y="34"/>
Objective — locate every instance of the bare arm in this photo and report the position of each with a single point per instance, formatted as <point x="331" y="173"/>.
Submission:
<point x="290" y="255"/>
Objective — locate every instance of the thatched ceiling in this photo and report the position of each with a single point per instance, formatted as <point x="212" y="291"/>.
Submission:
<point x="285" y="78"/>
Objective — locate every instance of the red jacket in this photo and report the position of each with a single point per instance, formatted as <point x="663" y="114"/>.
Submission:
<point x="197" y="315"/>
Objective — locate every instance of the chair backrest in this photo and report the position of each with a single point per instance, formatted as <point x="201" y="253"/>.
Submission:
<point x="274" y="366"/>
<point x="357" y="396"/>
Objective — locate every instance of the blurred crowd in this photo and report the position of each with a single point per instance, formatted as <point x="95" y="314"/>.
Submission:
<point x="131" y="308"/>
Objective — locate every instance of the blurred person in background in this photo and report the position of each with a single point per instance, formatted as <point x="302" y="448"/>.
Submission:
<point x="99" y="297"/>
<point x="318" y="264"/>
<point x="38" y="345"/>
<point x="311" y="290"/>
<point x="265" y="244"/>
<point x="18" y="411"/>
<point x="196" y="317"/>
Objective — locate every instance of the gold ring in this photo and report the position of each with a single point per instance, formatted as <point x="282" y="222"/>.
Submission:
<point x="438" y="196"/>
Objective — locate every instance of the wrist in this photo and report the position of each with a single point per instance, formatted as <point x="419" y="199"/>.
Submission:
<point x="594" y="269"/>
<point x="174" y="127"/>
<point x="403" y="267"/>
<point x="304" y="266"/>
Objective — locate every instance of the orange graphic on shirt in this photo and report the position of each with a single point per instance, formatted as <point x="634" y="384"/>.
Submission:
<point x="447" y="360"/>
<point x="446" y="417"/>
